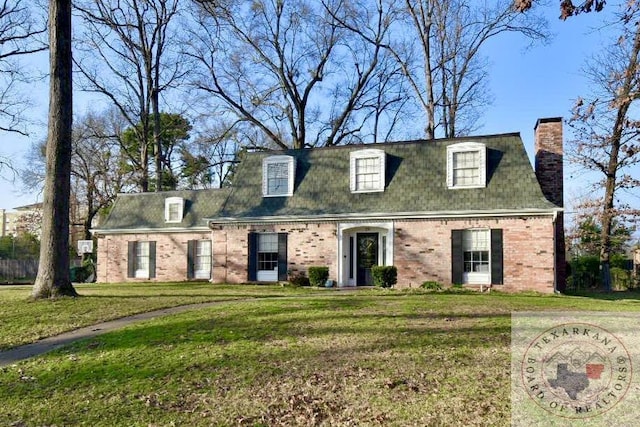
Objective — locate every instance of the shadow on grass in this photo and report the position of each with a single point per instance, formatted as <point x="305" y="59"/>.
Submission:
<point x="608" y="296"/>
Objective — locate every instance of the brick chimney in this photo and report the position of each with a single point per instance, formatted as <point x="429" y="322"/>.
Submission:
<point x="548" y="165"/>
<point x="548" y="148"/>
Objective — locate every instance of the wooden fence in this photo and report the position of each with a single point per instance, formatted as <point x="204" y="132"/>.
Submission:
<point x="18" y="269"/>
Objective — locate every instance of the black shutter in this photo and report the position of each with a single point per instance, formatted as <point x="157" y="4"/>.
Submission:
<point x="253" y="257"/>
<point x="282" y="257"/>
<point x="152" y="260"/>
<point x="457" y="257"/>
<point x="496" y="257"/>
<point x="191" y="257"/>
<point x="131" y="259"/>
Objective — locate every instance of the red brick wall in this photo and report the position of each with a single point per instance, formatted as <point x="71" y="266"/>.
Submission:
<point x="422" y="251"/>
<point x="549" y="170"/>
<point x="308" y="244"/>
<point x="171" y="256"/>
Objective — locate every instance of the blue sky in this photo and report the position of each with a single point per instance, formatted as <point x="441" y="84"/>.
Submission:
<point x="526" y="84"/>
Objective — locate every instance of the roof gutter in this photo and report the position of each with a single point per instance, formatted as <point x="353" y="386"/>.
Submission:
<point x="386" y="216"/>
<point x="99" y="231"/>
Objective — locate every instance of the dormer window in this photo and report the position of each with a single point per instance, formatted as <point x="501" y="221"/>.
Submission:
<point x="367" y="170"/>
<point x="466" y="165"/>
<point x="173" y="209"/>
<point x="278" y="176"/>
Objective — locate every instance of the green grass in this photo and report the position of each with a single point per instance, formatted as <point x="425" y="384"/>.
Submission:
<point x="324" y="358"/>
<point x="24" y="321"/>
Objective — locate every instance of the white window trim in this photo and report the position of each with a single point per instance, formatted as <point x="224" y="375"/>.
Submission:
<point x="478" y="278"/>
<point x="266" y="275"/>
<point x="465" y="147"/>
<point x="291" y="166"/>
<point x="169" y="201"/>
<point x="203" y="273"/>
<point x="368" y="153"/>
<point x="142" y="273"/>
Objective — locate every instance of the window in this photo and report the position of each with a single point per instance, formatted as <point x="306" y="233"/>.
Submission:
<point x="278" y="176"/>
<point x="173" y="209"/>
<point x="476" y="256"/>
<point x="267" y="254"/>
<point x="367" y="170"/>
<point x="141" y="259"/>
<point x="267" y="257"/>
<point x="475" y="246"/>
<point x="199" y="259"/>
<point x="466" y="165"/>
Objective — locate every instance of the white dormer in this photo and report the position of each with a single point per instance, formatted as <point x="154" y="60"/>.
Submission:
<point x="367" y="170"/>
<point x="466" y="165"/>
<point x="173" y="209"/>
<point x="278" y="176"/>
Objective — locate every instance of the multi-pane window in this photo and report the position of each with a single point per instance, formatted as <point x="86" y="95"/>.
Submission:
<point x="174" y="212"/>
<point x="173" y="209"/>
<point x="141" y="259"/>
<point x="367" y="173"/>
<point x="278" y="175"/>
<point x="466" y="165"/>
<point x="476" y="247"/>
<point x="367" y="170"/>
<point x="202" y="259"/>
<point x="267" y="252"/>
<point x="277" y="178"/>
<point x="466" y="168"/>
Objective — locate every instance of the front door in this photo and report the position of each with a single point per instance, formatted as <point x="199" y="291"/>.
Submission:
<point x="366" y="257"/>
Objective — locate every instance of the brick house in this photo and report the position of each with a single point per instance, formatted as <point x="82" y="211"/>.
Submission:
<point x="467" y="210"/>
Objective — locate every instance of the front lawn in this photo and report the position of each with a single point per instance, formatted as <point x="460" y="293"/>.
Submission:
<point x="304" y="358"/>
<point x="23" y="321"/>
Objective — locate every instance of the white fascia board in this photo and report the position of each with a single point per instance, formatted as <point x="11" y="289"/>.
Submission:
<point x="149" y="230"/>
<point x="388" y="216"/>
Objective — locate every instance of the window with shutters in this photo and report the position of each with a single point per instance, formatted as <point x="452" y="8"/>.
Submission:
<point x="141" y="259"/>
<point x="466" y="165"/>
<point x="267" y="257"/>
<point x="278" y="176"/>
<point x="477" y="256"/>
<point x="367" y="170"/>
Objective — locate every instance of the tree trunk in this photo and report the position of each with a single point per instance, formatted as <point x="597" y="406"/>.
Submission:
<point x="157" y="142"/>
<point x="53" y="270"/>
<point x="626" y="95"/>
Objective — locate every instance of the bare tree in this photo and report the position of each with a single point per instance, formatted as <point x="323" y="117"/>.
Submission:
<point x="607" y="128"/>
<point x="129" y="56"/>
<point x="53" y="269"/>
<point x="19" y="36"/>
<point x="97" y="172"/>
<point x="291" y="68"/>
<point x="567" y="7"/>
<point x="442" y="58"/>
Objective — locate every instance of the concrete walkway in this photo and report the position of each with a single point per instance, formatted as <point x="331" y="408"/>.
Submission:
<point x="52" y="343"/>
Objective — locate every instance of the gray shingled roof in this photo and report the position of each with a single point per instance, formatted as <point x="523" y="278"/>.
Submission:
<point x="146" y="210"/>
<point x="416" y="182"/>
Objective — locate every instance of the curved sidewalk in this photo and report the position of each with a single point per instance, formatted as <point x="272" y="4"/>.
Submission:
<point x="46" y="345"/>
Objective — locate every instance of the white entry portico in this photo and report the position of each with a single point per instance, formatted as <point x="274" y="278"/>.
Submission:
<point x="360" y="246"/>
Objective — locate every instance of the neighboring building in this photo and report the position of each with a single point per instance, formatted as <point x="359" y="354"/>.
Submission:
<point x="465" y="210"/>
<point x="23" y="219"/>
